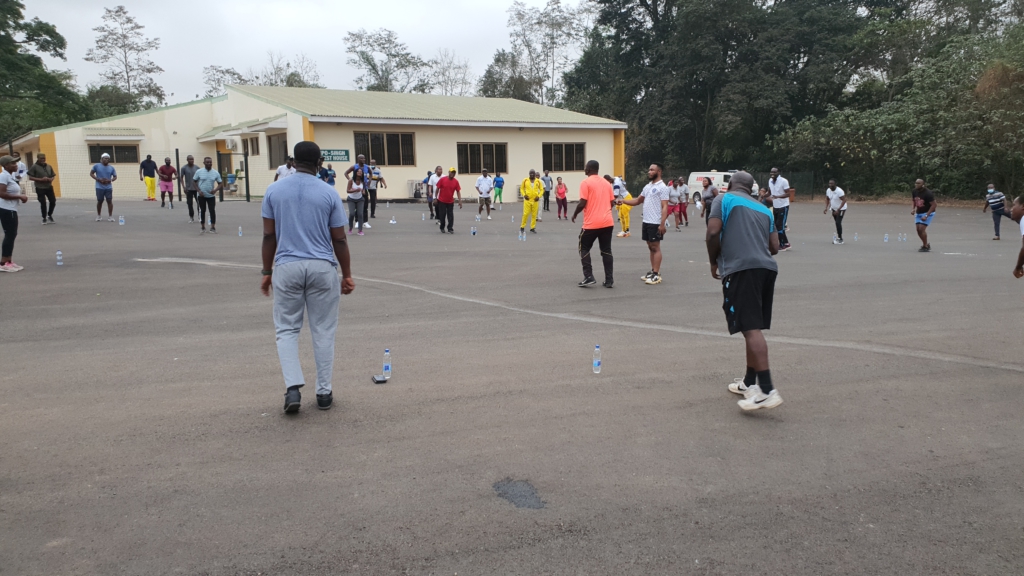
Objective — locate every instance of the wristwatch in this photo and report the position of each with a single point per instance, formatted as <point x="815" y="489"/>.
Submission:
<point x="266" y="272"/>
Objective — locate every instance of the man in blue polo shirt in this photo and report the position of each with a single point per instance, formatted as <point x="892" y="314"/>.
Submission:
<point x="104" y="175"/>
<point x="741" y="241"/>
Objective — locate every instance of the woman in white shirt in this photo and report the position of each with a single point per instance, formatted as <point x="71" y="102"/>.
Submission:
<point x="356" y="200"/>
<point x="10" y="196"/>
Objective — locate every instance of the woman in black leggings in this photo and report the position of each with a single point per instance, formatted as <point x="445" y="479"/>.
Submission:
<point x="10" y="196"/>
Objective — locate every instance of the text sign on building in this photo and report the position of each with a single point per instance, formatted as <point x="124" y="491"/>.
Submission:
<point x="335" y="155"/>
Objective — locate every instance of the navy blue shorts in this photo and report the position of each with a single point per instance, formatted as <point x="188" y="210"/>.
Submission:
<point x="102" y="195"/>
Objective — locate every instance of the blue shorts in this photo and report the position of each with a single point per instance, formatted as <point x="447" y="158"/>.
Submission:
<point x="102" y="195"/>
<point x="925" y="219"/>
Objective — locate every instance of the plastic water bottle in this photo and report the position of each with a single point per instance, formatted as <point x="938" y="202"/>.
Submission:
<point x="239" y="231"/>
<point x="499" y="207"/>
<point x="387" y="363"/>
<point x="886" y="238"/>
<point x="393" y="221"/>
<point x="473" y="230"/>
<point x="854" y="236"/>
<point x="478" y="217"/>
<point x="60" y="258"/>
<point x="423" y="216"/>
<point x="388" y="204"/>
<point x="120" y="220"/>
<point x="597" y="359"/>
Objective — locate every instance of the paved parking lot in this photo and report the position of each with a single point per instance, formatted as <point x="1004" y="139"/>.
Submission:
<point x="142" y="429"/>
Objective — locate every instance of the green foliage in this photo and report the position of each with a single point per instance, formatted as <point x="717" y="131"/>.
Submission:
<point x="959" y="125"/>
<point x="30" y="95"/>
<point x="507" y="77"/>
<point x="386" y="63"/>
<point x="124" y="51"/>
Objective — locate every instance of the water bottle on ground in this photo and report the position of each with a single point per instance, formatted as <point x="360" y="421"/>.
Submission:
<point x="239" y="231"/>
<point x="478" y="217"/>
<point x="120" y="220"/>
<point x="886" y="238"/>
<point x="387" y="363"/>
<point x="393" y="221"/>
<point x="597" y="359"/>
<point x="388" y="204"/>
<point x="854" y="236"/>
<point x="423" y="216"/>
<point x="60" y="258"/>
<point x="473" y="230"/>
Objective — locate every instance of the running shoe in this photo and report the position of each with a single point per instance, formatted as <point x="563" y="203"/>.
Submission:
<point x="360" y="233"/>
<point x="686" y="224"/>
<point x="996" y="238"/>
<point x="488" y="217"/>
<point x="783" y="248"/>
<point x="45" y="222"/>
<point x="841" y="242"/>
<point x="367" y="226"/>
<point x="98" y="218"/>
<point x="292" y="400"/>
<point x="162" y="204"/>
<point x="534" y="230"/>
<point x="925" y="249"/>
<point x="50" y="218"/>
<point x="110" y="219"/>
<point x="740" y="387"/>
<point x="653" y="279"/>
<point x="627" y="234"/>
<point x="6" y="268"/>
<point x="621" y="234"/>
<point x="759" y="401"/>
<point x="11" y="267"/>
<point x="648" y="275"/>
<point x="191" y="221"/>
<point x="539" y="219"/>
<point x="608" y="283"/>
<point x="587" y="282"/>
<point x="325" y="401"/>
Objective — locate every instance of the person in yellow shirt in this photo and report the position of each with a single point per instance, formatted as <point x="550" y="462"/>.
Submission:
<point x="619" y="190"/>
<point x="532" y="190"/>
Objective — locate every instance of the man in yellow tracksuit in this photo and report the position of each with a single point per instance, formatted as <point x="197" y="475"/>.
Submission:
<point x="532" y="190"/>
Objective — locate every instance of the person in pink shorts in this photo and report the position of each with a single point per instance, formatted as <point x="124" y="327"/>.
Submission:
<point x="165" y="179"/>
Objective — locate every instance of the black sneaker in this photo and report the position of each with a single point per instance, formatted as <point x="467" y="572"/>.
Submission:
<point x="646" y="276"/>
<point x="533" y="230"/>
<point x="162" y="204"/>
<point x="925" y="249"/>
<point x="587" y="282"/>
<point x="325" y="401"/>
<point x="608" y="284"/>
<point x="292" y="400"/>
<point x="50" y="218"/>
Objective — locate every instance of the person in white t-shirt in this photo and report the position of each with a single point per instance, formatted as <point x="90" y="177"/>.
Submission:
<point x="654" y="197"/>
<point x="286" y="170"/>
<point x="432" y="189"/>
<point x="484" y="185"/>
<point x="778" y="189"/>
<point x="835" y="200"/>
<point x="1017" y="215"/>
<point x="10" y="196"/>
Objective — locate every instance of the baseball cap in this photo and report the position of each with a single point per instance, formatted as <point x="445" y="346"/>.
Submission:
<point x="5" y="160"/>
<point x="452" y="170"/>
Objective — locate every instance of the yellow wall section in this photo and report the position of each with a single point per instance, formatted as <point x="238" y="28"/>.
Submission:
<point x="223" y="149"/>
<point x="619" y="164"/>
<point x="307" y="130"/>
<point x="48" y="146"/>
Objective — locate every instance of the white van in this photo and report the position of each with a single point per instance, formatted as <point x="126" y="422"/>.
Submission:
<point x="719" y="180"/>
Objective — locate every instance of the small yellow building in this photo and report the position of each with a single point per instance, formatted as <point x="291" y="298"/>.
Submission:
<point x="407" y="134"/>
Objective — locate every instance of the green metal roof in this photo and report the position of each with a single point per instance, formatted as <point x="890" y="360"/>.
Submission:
<point x="238" y="126"/>
<point x="416" y="107"/>
<point x="130" y="115"/>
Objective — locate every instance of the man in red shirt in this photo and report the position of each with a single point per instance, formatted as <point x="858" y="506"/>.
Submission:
<point x="447" y="189"/>
<point x="596" y="201"/>
<point x="165" y="178"/>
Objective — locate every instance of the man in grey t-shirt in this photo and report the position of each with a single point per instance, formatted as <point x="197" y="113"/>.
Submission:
<point x="303" y="243"/>
<point x="187" y="178"/>
<point x="741" y="240"/>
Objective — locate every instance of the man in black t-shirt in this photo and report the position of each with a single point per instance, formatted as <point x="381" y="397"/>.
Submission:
<point x="924" y="212"/>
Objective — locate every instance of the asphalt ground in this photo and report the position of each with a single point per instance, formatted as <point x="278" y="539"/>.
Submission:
<point x="142" y="429"/>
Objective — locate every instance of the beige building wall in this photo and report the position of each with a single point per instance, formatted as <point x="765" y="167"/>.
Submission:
<point x="436" y="145"/>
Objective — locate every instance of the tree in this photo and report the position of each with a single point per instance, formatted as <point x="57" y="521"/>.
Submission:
<point x="299" y="72"/>
<point x="122" y="47"/>
<point x="506" y="77"/>
<point x="547" y="41"/>
<point x="386" y="64"/>
<point x="31" y="96"/>
<point x="451" y="75"/>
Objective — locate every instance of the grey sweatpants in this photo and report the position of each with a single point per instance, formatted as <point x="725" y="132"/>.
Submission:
<point x="312" y="286"/>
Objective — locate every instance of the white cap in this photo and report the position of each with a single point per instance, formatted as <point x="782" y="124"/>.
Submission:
<point x="104" y="155"/>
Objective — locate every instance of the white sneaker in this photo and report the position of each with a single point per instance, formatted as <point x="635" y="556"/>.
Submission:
<point x="488" y="217"/>
<point x="759" y="401"/>
<point x="367" y="226"/>
<point x="622" y="235"/>
<point x="98" y="218"/>
<point x="739" y="387"/>
<point x="111" y="219"/>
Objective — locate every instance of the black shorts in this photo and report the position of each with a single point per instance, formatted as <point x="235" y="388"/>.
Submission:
<point x="748" y="299"/>
<point x="649" y="233"/>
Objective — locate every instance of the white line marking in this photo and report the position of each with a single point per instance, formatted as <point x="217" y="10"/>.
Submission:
<point x="899" y="351"/>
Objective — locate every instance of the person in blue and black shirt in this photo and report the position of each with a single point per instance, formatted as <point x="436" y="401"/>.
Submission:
<point x="742" y="241"/>
<point x="995" y="200"/>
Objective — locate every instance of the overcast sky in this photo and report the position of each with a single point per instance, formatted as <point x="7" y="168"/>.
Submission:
<point x="238" y="33"/>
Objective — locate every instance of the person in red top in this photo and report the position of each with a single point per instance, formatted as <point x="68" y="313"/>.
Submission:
<point x="596" y="201"/>
<point x="165" y="178"/>
<point x="447" y="189"/>
<point x="563" y="203"/>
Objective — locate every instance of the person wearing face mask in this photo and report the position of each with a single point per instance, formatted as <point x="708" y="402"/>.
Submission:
<point x="996" y="201"/>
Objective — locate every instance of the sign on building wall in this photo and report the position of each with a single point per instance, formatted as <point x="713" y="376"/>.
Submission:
<point x="335" y="155"/>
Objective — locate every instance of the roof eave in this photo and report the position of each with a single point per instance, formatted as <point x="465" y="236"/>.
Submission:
<point x="469" y="123"/>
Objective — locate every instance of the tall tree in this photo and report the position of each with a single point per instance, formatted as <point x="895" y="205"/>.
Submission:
<point x="386" y="63"/>
<point x="451" y="75"/>
<point x="297" y="72"/>
<point x="507" y="77"/>
<point x="547" y="41"/>
<point x="31" y="96"/>
<point x="125" y="51"/>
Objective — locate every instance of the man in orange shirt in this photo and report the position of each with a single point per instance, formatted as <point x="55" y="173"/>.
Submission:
<point x="596" y="201"/>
